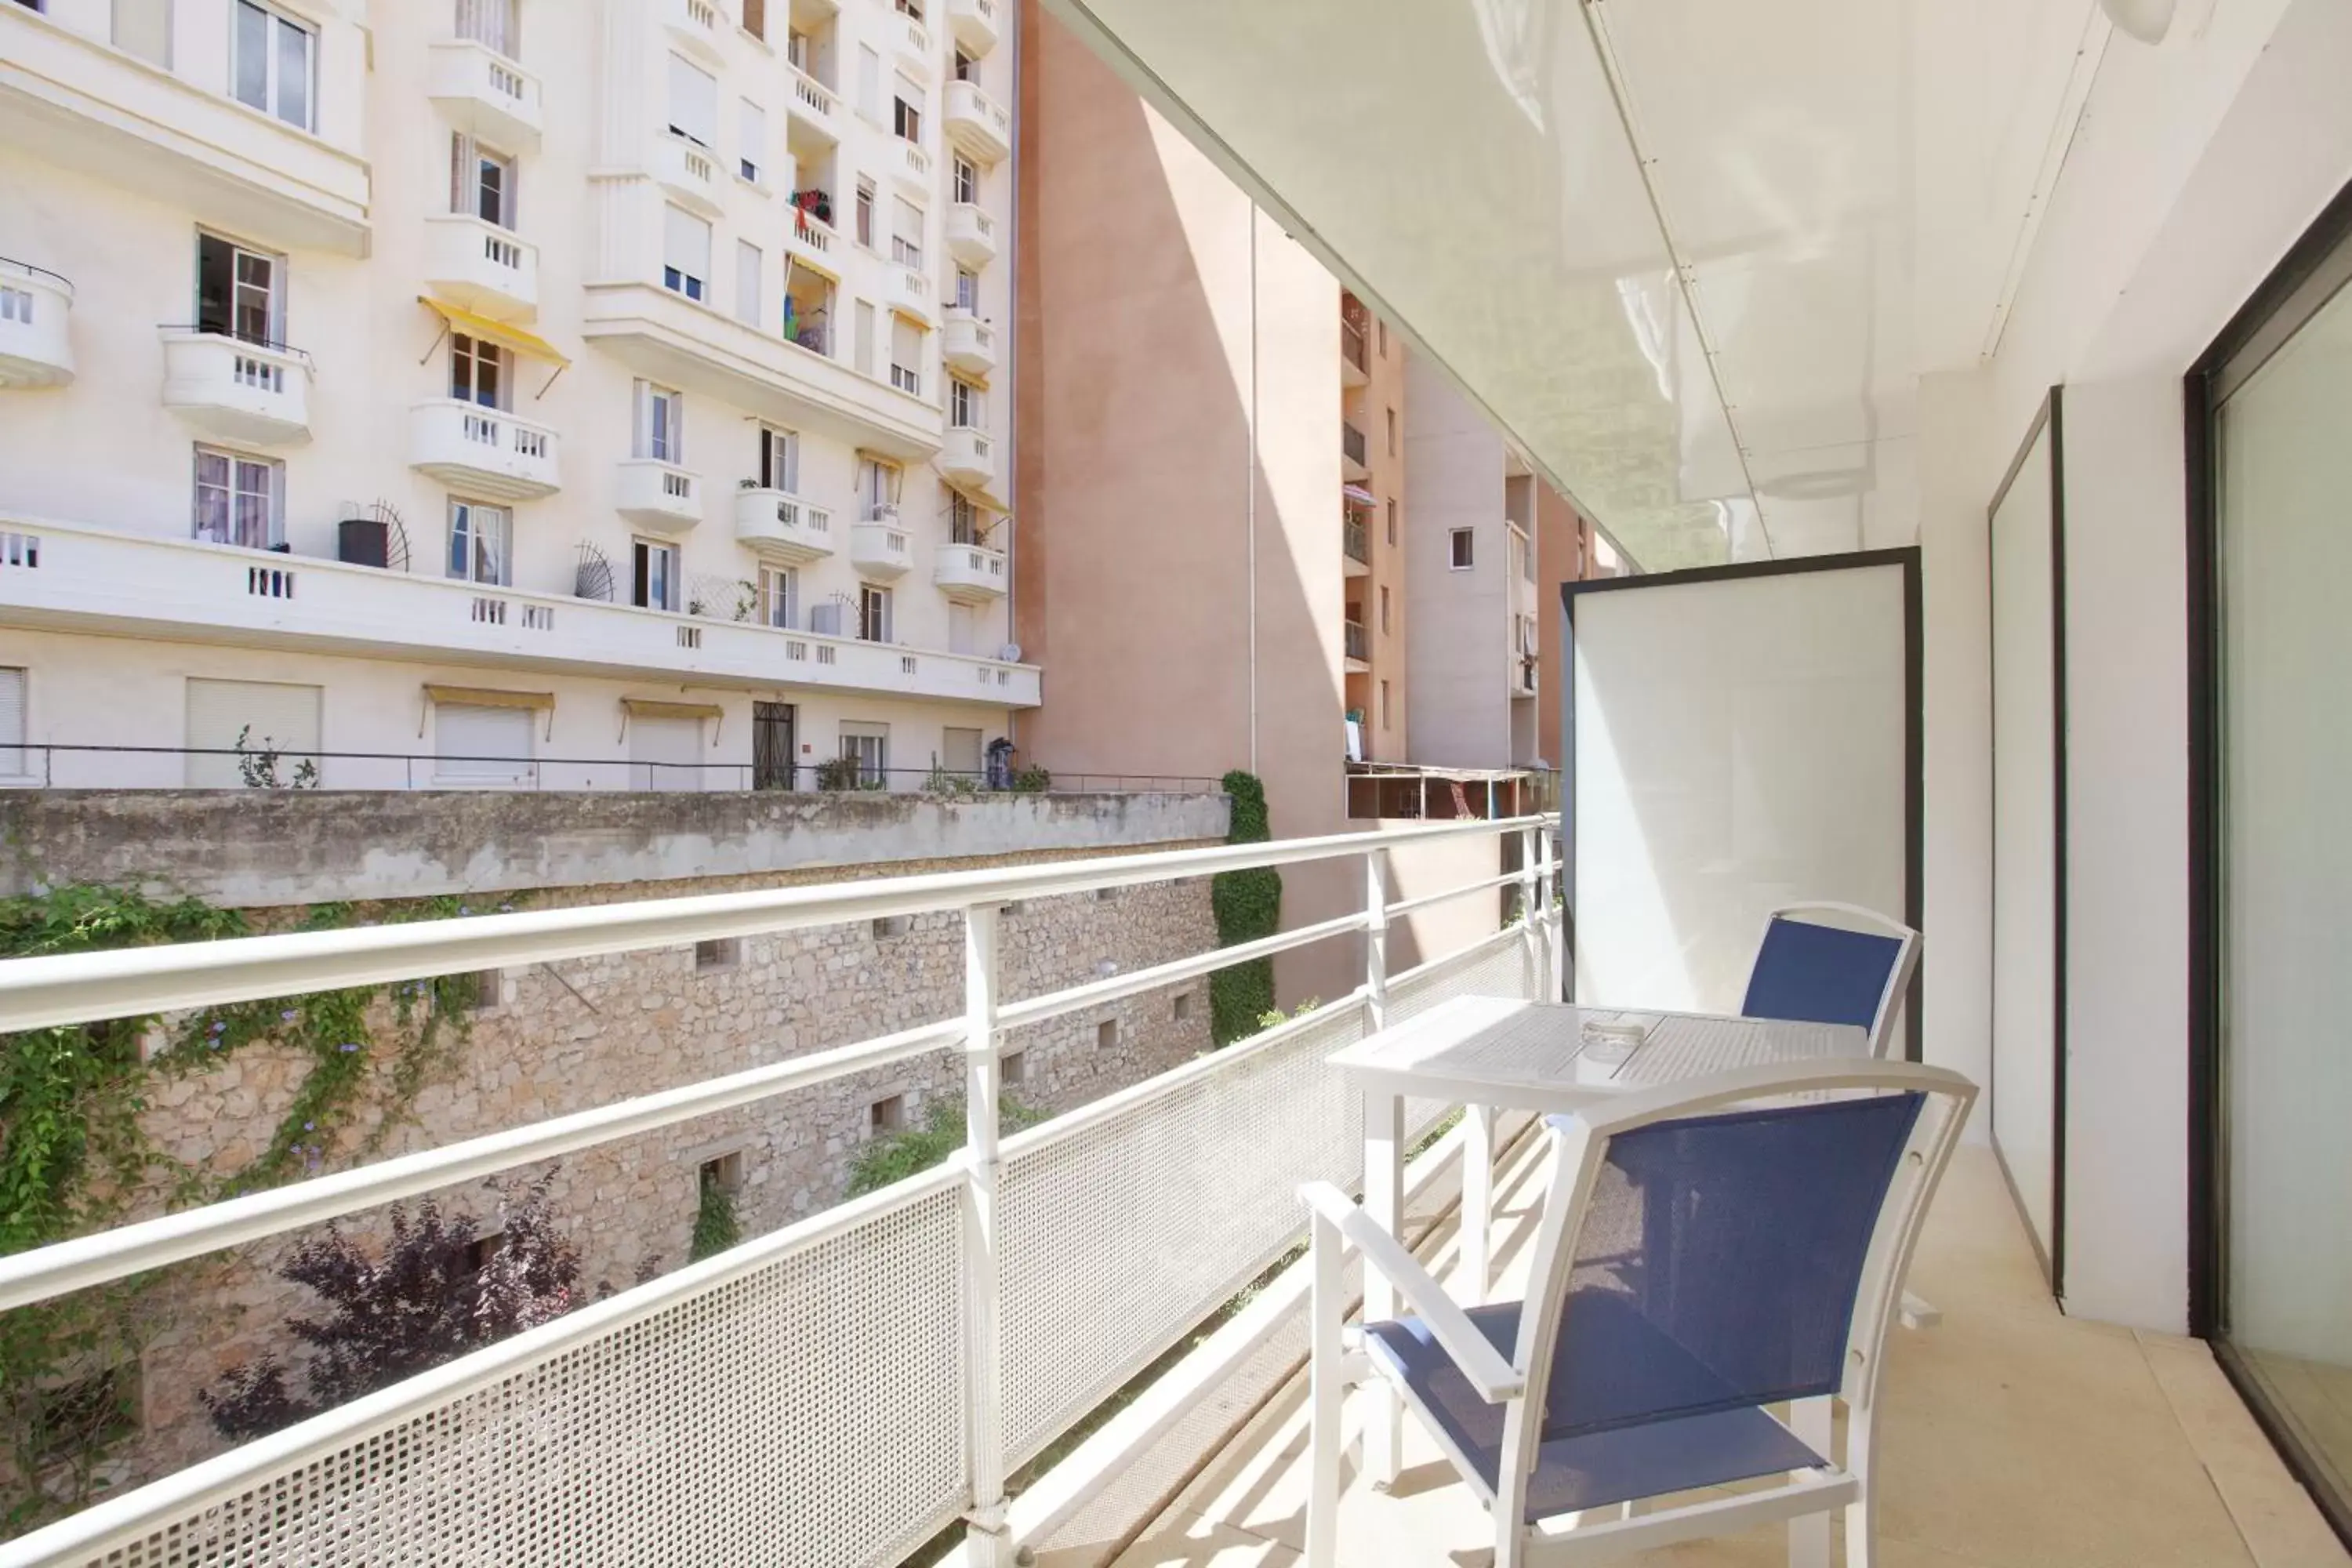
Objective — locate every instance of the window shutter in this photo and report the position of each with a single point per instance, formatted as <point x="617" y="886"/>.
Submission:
<point x="494" y="743"/>
<point x="753" y="127"/>
<point x="686" y="242"/>
<point x="906" y="343"/>
<point x="693" y="100"/>
<point x="909" y="219"/>
<point x="747" y="282"/>
<point x="672" y="741"/>
<point x="13" y="762"/>
<point x="283" y="717"/>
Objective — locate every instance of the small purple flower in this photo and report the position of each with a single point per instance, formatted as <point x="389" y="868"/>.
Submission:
<point x="506" y="908"/>
<point x="218" y="1026"/>
<point x="465" y="908"/>
<point x="347" y="1048"/>
<point x="310" y="1127"/>
<point x="287" y="1016"/>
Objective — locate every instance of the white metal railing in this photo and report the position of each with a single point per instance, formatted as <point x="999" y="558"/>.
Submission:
<point x="837" y="1391"/>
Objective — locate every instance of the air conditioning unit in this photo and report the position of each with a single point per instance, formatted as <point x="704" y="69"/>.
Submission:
<point x="824" y="620"/>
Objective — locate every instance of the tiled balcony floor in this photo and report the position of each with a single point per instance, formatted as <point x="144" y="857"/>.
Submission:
<point x="2015" y="1437"/>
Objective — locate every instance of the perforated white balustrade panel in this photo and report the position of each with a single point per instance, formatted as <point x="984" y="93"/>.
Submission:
<point x="806" y="1415"/>
<point x="1495" y="967"/>
<point x="1122" y="1236"/>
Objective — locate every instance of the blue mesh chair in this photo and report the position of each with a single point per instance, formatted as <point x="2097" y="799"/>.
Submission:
<point x="1833" y="963"/>
<point x="1707" y="1249"/>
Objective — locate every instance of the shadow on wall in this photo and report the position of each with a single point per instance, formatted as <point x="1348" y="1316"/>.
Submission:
<point x="1184" y="579"/>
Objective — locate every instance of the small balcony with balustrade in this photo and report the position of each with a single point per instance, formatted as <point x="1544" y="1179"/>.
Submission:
<point x="484" y="93"/>
<point x="968" y="457"/>
<point x="970" y="234"/>
<point x="779" y="526"/>
<point x="697" y="27"/>
<point x="664" y="498"/>
<point x="485" y="452"/>
<point x="688" y="172"/>
<point x="487" y="269"/>
<point x="975" y="24"/>
<point x="968" y="573"/>
<point x="968" y="344"/>
<point x="978" y="124"/>
<point x="36" y="321"/>
<point x="879" y="545"/>
<point x="236" y="389"/>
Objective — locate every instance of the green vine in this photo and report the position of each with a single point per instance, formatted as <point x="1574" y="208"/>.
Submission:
<point x="1247" y="906"/>
<point x="74" y="1157"/>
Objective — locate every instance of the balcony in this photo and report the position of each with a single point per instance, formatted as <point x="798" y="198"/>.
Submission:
<point x="130" y="125"/>
<point x="697" y="27"/>
<point x="1352" y="453"/>
<point x="814" y="240"/>
<point x="878" y="547"/>
<point x="484" y="94"/>
<point x="1358" y="644"/>
<point x="36" y="321"/>
<point x="908" y="291"/>
<point x="656" y="495"/>
<point x="910" y="165"/>
<point x="483" y="452"/>
<point x="1355" y="363"/>
<point x="782" y="527"/>
<point x="259" y="393"/>
<point x="974" y="24"/>
<point x="182" y="590"/>
<point x="969" y="458"/>
<point x="968" y="573"/>
<point x="914" y="42"/>
<point x="968" y="343"/>
<point x="814" y="105"/>
<point x="1355" y="548"/>
<point x="475" y="263"/>
<point x="672" y="339"/>
<point x="978" y="124"/>
<point x="690" y="173"/>
<point x="970" y="234"/>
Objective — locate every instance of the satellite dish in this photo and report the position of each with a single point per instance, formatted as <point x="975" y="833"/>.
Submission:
<point x="1010" y="653"/>
<point x="2147" y="20"/>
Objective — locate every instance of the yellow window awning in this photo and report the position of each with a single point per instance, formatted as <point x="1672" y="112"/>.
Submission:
<point x="491" y="697"/>
<point x="500" y="332"/>
<point x="646" y="707"/>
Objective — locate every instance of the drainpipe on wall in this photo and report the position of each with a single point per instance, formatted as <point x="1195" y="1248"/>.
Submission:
<point x="1249" y="492"/>
<point x="1012" y="380"/>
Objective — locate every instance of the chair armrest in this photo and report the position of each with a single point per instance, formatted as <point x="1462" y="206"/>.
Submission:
<point x="1488" y="1370"/>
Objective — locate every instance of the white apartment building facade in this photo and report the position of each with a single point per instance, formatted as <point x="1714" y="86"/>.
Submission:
<point x="579" y="393"/>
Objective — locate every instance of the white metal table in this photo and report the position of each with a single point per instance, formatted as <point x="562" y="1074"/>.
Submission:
<point x="1491" y="1053"/>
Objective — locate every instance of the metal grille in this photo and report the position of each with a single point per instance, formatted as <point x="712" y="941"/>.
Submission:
<point x="1122" y="1236"/>
<point x="806" y="1413"/>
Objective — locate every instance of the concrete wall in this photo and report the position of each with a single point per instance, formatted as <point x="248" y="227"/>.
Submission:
<point x="260" y="847"/>
<point x="1180" y="472"/>
<point x="1461" y="619"/>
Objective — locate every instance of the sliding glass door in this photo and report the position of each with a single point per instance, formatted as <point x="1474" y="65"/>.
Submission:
<point x="2278" y="830"/>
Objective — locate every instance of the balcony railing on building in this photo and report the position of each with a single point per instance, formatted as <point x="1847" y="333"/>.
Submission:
<point x="1409" y="792"/>
<point x="1355" y="325"/>
<point x="1359" y="643"/>
<point x="1354" y="543"/>
<point x="1354" y="449"/>
<point x="36" y="341"/>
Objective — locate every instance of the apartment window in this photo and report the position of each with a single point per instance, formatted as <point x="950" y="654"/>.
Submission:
<point x="966" y="67"/>
<point x="907" y="237"/>
<point x="1385" y="704"/>
<point x="799" y="49"/>
<point x="481" y="182"/>
<point x="13" y="762"/>
<point x="239" y="499"/>
<point x="1391" y="509"/>
<point x="274" y="63"/>
<point x="863" y="232"/>
<point x="867" y="746"/>
<point x="963" y="519"/>
<point x="967" y="179"/>
<point x="966" y="409"/>
<point x="477" y="743"/>
<point x="1393" y="438"/>
<point x="1107" y="1034"/>
<point x="478" y="372"/>
<point x="755" y="18"/>
<point x="906" y="356"/>
<point x="907" y="110"/>
<point x="779" y="597"/>
<point x="873" y="613"/>
<point x="1458" y="543"/>
<point x="910" y="8"/>
<point x="751" y="133"/>
<point x="1384" y="611"/>
<point x="693" y="102"/>
<point x="967" y="289"/>
<point x="865" y="338"/>
<point x="877" y="486"/>
<point x="887" y="1115"/>
<point x="780" y="460"/>
<point x="685" y="252"/>
<point x="480" y="540"/>
<point x="239" y="292"/>
<point x="719" y="952"/>
<point x="1381" y="331"/>
<point x="870" y="82"/>
<point x="661" y="423"/>
<point x="747" y="282"/>
<point x="492" y="23"/>
<point x="654" y="575"/>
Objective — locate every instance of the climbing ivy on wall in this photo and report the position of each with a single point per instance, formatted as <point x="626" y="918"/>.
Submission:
<point x="74" y="1157"/>
<point x="1247" y="906"/>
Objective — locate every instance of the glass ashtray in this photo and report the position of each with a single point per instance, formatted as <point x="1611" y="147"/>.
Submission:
<point x="1607" y="1043"/>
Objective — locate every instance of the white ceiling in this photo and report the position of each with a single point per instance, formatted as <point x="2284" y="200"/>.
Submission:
<point x="1691" y="257"/>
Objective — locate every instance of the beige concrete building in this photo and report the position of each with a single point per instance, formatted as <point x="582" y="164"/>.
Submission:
<point x="1372" y="451"/>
